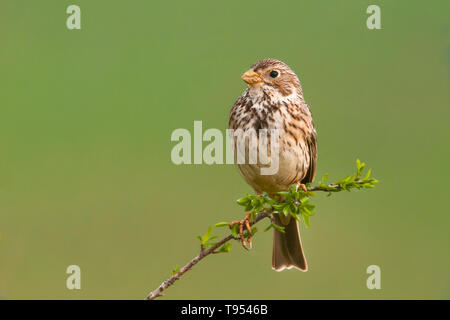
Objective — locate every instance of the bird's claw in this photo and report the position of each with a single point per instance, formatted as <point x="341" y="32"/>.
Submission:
<point x="244" y="223"/>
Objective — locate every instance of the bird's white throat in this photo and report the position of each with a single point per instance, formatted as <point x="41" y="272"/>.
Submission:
<point x="270" y="95"/>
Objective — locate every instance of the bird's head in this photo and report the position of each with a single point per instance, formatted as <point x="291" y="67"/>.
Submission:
<point x="272" y="77"/>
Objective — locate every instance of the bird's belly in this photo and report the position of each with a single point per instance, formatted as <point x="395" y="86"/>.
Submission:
<point x="292" y="165"/>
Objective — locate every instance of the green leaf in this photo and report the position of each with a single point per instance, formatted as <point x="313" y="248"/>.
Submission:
<point x="284" y="193"/>
<point x="286" y="211"/>
<point x="310" y="209"/>
<point x="292" y="208"/>
<point x="295" y="215"/>
<point x="258" y="208"/>
<point x="221" y="224"/>
<point x="175" y="271"/>
<point x="279" y="228"/>
<point x="307" y="212"/>
<point x="235" y="230"/>
<point x="206" y="236"/>
<point x="306" y="219"/>
<point x="359" y="167"/>
<point x="209" y="244"/>
<point x="278" y="207"/>
<point x="243" y="201"/>
<point x="225" y="248"/>
<point x="368" y="174"/>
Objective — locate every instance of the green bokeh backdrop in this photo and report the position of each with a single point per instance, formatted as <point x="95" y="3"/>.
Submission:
<point x="85" y="124"/>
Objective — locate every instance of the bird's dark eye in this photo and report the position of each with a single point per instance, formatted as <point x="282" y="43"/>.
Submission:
<point x="273" y="74"/>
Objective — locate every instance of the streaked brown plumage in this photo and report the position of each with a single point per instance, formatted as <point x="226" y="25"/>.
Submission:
<point x="274" y="100"/>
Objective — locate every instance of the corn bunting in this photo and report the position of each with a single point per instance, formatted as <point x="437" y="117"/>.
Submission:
<point x="274" y="100"/>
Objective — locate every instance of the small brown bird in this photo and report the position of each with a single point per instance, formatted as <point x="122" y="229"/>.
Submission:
<point x="274" y="100"/>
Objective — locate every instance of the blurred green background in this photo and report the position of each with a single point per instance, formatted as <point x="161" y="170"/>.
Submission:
<point x="86" y="118"/>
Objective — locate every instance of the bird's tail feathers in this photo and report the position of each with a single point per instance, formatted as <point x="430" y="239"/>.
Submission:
<point x="287" y="246"/>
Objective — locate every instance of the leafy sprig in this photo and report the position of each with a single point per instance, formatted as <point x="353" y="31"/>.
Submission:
<point x="294" y="202"/>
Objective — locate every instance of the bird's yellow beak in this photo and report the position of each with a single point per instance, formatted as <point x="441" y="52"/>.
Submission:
<point x="251" y="77"/>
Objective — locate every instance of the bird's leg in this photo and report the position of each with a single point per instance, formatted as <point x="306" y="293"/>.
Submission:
<point x="301" y="185"/>
<point x="241" y="231"/>
<point x="245" y="222"/>
<point x="249" y="230"/>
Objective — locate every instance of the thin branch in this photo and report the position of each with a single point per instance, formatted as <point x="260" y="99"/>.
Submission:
<point x="203" y="253"/>
<point x="294" y="195"/>
<point x="334" y="187"/>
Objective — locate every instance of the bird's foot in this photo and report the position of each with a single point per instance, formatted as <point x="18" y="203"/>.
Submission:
<point x="244" y="223"/>
<point x="302" y="186"/>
